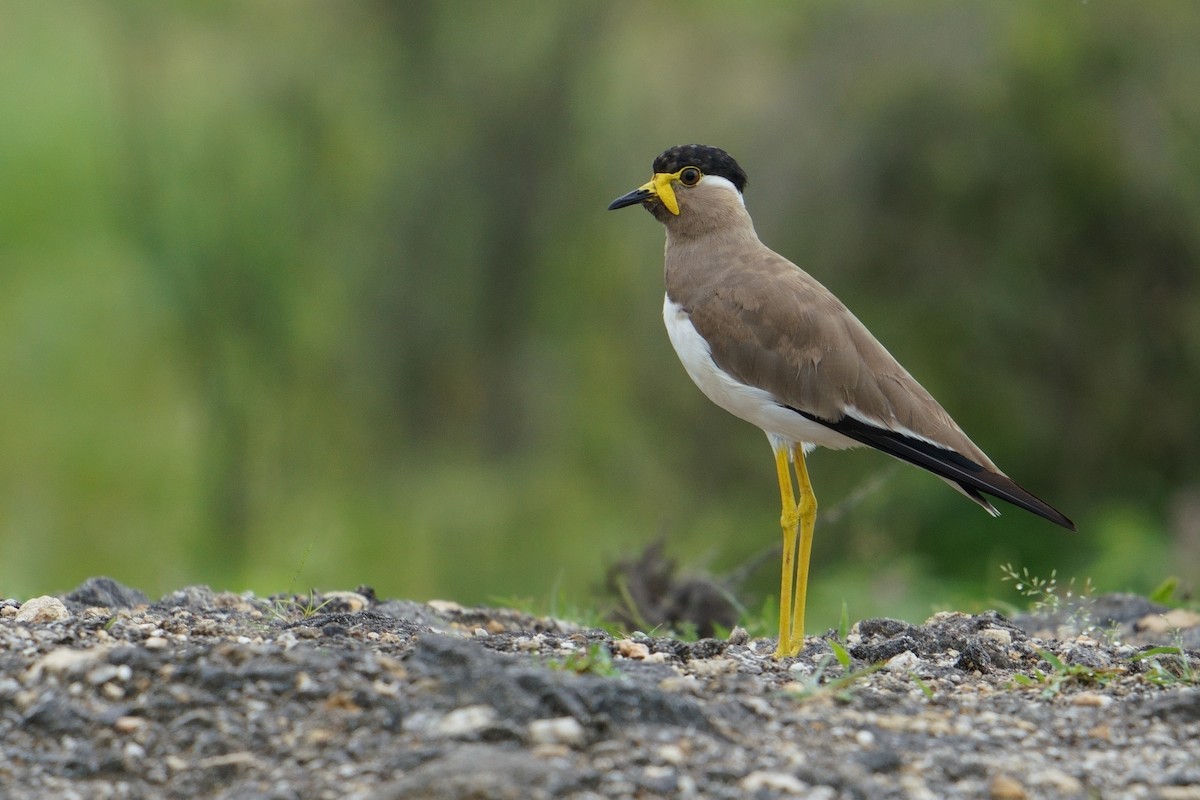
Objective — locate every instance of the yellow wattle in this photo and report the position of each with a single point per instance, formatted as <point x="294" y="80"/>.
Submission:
<point x="661" y="186"/>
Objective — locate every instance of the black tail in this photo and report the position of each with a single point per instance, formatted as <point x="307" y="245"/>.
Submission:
<point x="972" y="478"/>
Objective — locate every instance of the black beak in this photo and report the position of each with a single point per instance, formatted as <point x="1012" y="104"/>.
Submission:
<point x="634" y="197"/>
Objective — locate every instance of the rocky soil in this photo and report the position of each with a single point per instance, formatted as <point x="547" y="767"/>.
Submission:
<point x="107" y="694"/>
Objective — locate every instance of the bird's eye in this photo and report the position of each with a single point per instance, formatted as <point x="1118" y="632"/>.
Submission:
<point x="689" y="176"/>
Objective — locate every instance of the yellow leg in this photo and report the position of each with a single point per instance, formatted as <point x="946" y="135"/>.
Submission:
<point x="807" y="511"/>
<point x="788" y="521"/>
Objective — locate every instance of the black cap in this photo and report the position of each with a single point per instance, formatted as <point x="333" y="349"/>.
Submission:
<point x="710" y="160"/>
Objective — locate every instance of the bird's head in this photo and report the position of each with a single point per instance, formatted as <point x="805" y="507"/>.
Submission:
<point x="687" y="178"/>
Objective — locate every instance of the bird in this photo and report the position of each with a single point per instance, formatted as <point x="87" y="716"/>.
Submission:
<point x="767" y="342"/>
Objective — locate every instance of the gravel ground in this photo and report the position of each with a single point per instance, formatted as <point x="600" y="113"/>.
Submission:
<point x="106" y="694"/>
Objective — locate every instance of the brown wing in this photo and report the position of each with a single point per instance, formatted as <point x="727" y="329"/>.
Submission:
<point x="773" y="326"/>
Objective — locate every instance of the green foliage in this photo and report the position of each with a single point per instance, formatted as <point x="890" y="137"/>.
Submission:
<point x="1062" y="674"/>
<point x="821" y="683"/>
<point x="1164" y="593"/>
<point x="291" y="609"/>
<point x="594" y="660"/>
<point x="925" y="688"/>
<point x="764" y="623"/>
<point x="285" y="274"/>
<point x="721" y="632"/>
<point x="630" y="605"/>
<point x="841" y="654"/>
<point x="1164" y="666"/>
<point x="1169" y="666"/>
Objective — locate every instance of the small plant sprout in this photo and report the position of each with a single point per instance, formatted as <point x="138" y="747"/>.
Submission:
<point x="844" y="622"/>
<point x="1062" y="674"/>
<point x="925" y="688"/>
<point x="1045" y="594"/>
<point x="841" y="687"/>
<point x="595" y="660"/>
<point x="287" y="609"/>
<point x="1164" y="593"/>
<point x="1048" y="596"/>
<point x="1169" y="666"/>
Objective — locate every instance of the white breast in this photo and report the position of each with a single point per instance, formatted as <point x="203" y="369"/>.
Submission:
<point x="756" y="406"/>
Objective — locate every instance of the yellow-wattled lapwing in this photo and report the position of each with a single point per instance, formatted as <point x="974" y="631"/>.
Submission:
<point x="768" y="343"/>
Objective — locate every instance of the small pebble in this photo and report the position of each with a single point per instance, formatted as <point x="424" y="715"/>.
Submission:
<point x="65" y="661"/>
<point x="557" y="730"/>
<point x="738" y="635"/>
<point x="155" y="643"/>
<point x="671" y="754"/>
<point x="129" y="724"/>
<point x="548" y="751"/>
<point x="1179" y="792"/>
<point x="1056" y="779"/>
<point x="345" y="602"/>
<point x="465" y="721"/>
<point x="1092" y="699"/>
<point x="445" y="607"/>
<point x="631" y="649"/>
<point x="1175" y="619"/>
<point x="660" y="780"/>
<point x="773" y="782"/>
<point x="760" y="706"/>
<point x="43" y="609"/>
<point x="104" y="673"/>
<point x="903" y="662"/>
<point x="1006" y="787"/>
<point x="712" y="667"/>
<point x="680" y="683"/>
<point x="998" y="635"/>
<point x="319" y="736"/>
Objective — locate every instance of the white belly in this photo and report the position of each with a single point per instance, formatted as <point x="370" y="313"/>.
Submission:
<point x="782" y="425"/>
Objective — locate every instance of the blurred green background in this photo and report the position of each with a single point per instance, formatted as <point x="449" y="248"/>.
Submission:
<point x="320" y="294"/>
